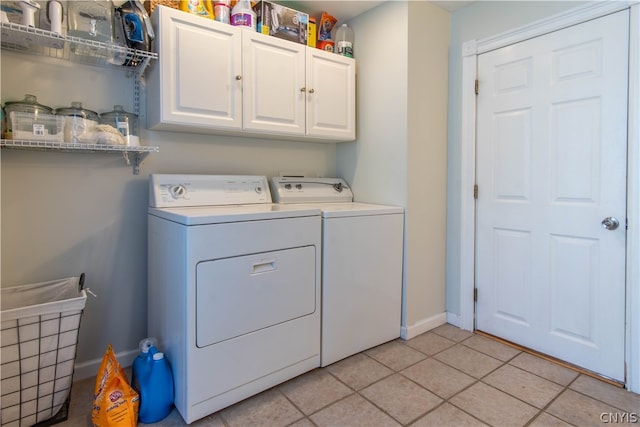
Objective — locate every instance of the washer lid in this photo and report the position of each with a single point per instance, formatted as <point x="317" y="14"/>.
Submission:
<point x="305" y="190"/>
<point x="170" y="190"/>
<point x="343" y="210"/>
<point x="203" y="215"/>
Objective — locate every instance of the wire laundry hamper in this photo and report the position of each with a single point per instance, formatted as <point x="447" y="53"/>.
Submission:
<point x="39" y="331"/>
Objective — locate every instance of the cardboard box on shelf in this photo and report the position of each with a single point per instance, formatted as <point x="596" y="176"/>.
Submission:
<point x="312" y="36"/>
<point x="283" y="22"/>
<point x="150" y="5"/>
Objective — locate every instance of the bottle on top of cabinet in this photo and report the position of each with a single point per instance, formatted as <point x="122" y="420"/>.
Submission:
<point x="197" y="7"/>
<point x="242" y="15"/>
<point x="222" y="11"/>
<point x="344" y="41"/>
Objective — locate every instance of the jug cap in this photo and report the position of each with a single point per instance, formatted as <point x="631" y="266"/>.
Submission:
<point x="146" y="344"/>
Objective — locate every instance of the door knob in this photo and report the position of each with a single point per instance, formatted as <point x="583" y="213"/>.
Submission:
<point x="610" y="223"/>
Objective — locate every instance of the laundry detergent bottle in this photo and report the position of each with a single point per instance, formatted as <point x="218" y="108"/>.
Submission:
<point x="153" y="380"/>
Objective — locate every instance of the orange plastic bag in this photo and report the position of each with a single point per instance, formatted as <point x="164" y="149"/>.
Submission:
<point x="115" y="403"/>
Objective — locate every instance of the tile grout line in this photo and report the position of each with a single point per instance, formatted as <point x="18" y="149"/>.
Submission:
<point x="507" y="362"/>
<point x="479" y="380"/>
<point x="447" y="399"/>
<point x="399" y="372"/>
<point x="552" y="401"/>
<point x="551" y="359"/>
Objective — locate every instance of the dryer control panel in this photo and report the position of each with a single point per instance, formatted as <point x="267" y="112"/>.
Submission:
<point x="310" y="190"/>
<point x="169" y="190"/>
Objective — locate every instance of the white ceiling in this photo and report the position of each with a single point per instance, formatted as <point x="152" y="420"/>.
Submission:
<point x="344" y="10"/>
<point x="452" y="5"/>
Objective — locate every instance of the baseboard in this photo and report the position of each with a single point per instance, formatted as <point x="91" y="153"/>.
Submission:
<point x="90" y="368"/>
<point x="422" y="326"/>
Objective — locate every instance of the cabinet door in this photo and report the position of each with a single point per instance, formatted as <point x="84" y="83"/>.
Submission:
<point x="273" y="75"/>
<point x="331" y="95"/>
<point x="197" y="79"/>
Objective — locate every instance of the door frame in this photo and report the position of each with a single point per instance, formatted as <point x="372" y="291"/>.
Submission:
<point x="470" y="51"/>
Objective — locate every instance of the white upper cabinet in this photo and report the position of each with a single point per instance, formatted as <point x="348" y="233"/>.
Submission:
<point x="273" y="84"/>
<point x="331" y="95"/>
<point x="197" y="85"/>
<point x="218" y="79"/>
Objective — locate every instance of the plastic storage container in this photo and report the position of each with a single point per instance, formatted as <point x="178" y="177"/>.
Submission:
<point x="344" y="41"/>
<point x="153" y="380"/>
<point x="91" y="19"/>
<point x="36" y="127"/>
<point x="27" y="119"/>
<point x="39" y="335"/>
<point x="77" y="122"/>
<point x="126" y="123"/>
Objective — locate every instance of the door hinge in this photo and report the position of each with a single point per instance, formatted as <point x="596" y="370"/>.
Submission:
<point x="475" y="191"/>
<point x="475" y="294"/>
<point x="477" y="87"/>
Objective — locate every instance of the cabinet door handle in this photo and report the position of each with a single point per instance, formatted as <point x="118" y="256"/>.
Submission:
<point x="311" y="91"/>
<point x="238" y="77"/>
<point x="303" y="89"/>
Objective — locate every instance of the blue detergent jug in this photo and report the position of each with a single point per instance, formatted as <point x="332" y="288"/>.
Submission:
<point x="153" y="380"/>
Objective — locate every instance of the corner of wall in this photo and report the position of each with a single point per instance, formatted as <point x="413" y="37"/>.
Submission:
<point x="422" y="326"/>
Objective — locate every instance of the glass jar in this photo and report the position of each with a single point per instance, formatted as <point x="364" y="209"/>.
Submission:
<point x="126" y="123"/>
<point x="77" y="122"/>
<point x="27" y="105"/>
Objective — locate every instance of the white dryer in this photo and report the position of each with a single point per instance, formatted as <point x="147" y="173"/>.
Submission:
<point x="233" y="287"/>
<point x="362" y="257"/>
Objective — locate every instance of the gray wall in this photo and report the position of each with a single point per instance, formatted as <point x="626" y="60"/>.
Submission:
<point x="66" y="213"/>
<point x="400" y="155"/>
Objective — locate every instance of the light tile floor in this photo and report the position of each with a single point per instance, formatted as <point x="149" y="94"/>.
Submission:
<point x="445" y="377"/>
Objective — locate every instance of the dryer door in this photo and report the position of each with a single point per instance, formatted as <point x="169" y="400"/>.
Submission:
<point x="239" y="295"/>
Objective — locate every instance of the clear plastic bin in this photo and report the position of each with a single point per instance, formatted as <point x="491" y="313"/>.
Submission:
<point x="40" y="325"/>
<point x="40" y="127"/>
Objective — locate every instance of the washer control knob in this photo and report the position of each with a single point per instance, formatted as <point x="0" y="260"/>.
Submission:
<point x="178" y="191"/>
<point x="258" y="190"/>
<point x="299" y="186"/>
<point x="287" y="186"/>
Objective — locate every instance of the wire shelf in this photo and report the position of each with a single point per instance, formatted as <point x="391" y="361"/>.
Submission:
<point x="139" y="151"/>
<point x="41" y="42"/>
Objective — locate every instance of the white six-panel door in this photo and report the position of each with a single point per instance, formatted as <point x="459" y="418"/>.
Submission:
<point x="551" y="166"/>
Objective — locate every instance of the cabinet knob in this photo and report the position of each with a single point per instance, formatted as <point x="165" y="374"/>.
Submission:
<point x="238" y="77"/>
<point x="311" y="91"/>
<point x="303" y="89"/>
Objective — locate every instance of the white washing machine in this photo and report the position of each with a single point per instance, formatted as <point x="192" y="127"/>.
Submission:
<point x="362" y="257"/>
<point x="233" y="287"/>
